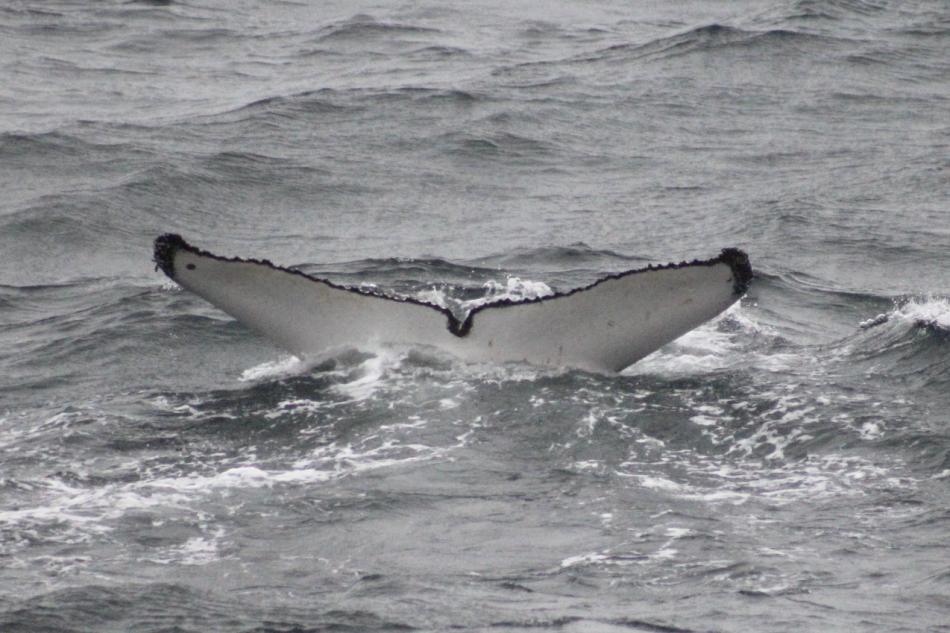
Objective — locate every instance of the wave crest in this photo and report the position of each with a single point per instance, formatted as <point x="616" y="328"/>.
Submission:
<point x="929" y="312"/>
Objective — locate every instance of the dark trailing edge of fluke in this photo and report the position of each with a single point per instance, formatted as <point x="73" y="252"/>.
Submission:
<point x="168" y="244"/>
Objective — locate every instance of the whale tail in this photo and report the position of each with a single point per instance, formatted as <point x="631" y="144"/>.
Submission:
<point x="605" y="326"/>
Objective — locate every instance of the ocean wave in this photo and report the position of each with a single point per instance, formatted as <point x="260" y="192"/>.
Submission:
<point x="29" y="12"/>
<point x="310" y="101"/>
<point x="123" y="192"/>
<point x="440" y="53"/>
<point x="931" y="313"/>
<point x="713" y="37"/>
<point x="65" y="150"/>
<point x="152" y="607"/>
<point x="365" y="27"/>
<point x="560" y="257"/>
<point x="74" y="25"/>
<point x="507" y="146"/>
<point x="192" y="456"/>
<point x="18" y="145"/>
<point x="233" y="167"/>
<point x="837" y="9"/>
<point x="733" y="339"/>
<point x="408" y="276"/>
<point x="172" y="39"/>
<point x="196" y="450"/>
<point x="745" y="44"/>
<point x="453" y="96"/>
<point x="907" y="343"/>
<point x="332" y="103"/>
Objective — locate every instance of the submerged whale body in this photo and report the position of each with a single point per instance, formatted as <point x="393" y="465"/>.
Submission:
<point x="603" y="327"/>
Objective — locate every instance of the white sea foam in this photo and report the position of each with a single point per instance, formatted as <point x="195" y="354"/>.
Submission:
<point x="930" y="310"/>
<point x="75" y="514"/>
<point x="709" y="347"/>
<point x="583" y="559"/>
<point x="434" y="296"/>
<point x="657" y="483"/>
<point x="709" y="480"/>
<point x="513" y="289"/>
<point x="369" y="379"/>
<point x="198" y="550"/>
<point x="720" y="344"/>
<point x="933" y="311"/>
<point x="709" y="415"/>
<point x="282" y="367"/>
<point x="68" y="512"/>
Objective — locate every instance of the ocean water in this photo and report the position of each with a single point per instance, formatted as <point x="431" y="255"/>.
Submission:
<point x="783" y="468"/>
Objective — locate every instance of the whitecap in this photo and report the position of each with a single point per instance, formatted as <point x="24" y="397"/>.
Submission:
<point x="283" y="367"/>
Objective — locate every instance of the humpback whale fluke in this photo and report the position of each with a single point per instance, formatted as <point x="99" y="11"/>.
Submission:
<point x="605" y="326"/>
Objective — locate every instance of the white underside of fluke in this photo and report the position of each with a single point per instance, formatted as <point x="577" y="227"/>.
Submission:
<point x="604" y="327"/>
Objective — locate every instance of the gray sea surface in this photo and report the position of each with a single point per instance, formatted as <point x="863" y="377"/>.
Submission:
<point x="785" y="467"/>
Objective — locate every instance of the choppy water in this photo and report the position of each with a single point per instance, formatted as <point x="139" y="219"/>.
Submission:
<point x="785" y="468"/>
